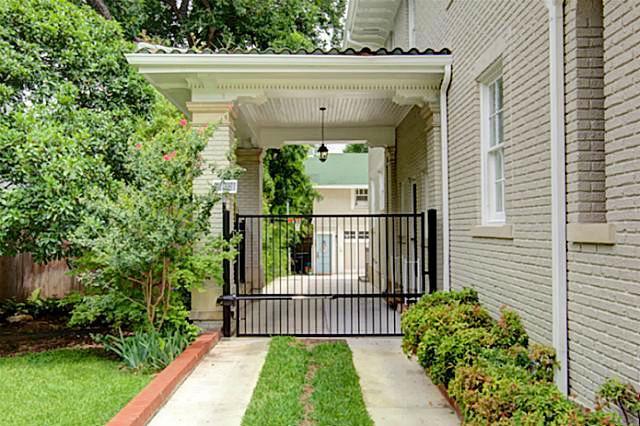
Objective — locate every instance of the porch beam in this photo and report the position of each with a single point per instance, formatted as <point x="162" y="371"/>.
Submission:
<point x="374" y="136"/>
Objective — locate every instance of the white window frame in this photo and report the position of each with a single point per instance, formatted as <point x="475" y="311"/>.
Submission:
<point x="359" y="192"/>
<point x="492" y="148"/>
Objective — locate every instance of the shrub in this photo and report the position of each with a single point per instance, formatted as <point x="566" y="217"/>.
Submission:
<point x="490" y="369"/>
<point x="38" y="307"/>
<point x="146" y="351"/>
<point x="445" y="318"/>
<point x="459" y="348"/>
<point x="509" y="330"/>
<point x="623" y="396"/>
<point x="496" y="390"/>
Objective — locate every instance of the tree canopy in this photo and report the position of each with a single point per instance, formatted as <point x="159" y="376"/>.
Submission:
<point x="228" y="23"/>
<point x="69" y="102"/>
<point x="356" y="148"/>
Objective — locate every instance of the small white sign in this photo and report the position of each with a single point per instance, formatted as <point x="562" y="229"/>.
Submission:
<point x="226" y="186"/>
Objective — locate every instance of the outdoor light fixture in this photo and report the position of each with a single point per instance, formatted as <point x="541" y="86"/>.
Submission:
<point x="323" y="151"/>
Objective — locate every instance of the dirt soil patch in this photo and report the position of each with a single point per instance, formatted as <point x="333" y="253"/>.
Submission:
<point x="42" y="335"/>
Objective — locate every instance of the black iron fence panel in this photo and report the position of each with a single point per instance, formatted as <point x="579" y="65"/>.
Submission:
<point x="330" y="275"/>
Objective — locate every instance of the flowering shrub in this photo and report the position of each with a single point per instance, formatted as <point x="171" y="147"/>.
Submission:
<point x="488" y="366"/>
<point x="146" y="241"/>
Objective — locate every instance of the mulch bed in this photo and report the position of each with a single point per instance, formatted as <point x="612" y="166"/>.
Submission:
<point x="42" y="335"/>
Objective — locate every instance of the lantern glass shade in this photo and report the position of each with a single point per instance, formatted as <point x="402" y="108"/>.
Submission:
<point x="323" y="153"/>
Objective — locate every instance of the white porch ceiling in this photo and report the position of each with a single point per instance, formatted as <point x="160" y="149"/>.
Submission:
<point x="341" y="112"/>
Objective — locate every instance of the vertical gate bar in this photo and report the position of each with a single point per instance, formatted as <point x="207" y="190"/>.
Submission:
<point x="393" y="274"/>
<point x="372" y="251"/>
<point x="432" y="246"/>
<point x="287" y="267"/>
<point x="422" y="254"/>
<point x="357" y="243"/>
<point x="386" y="269"/>
<point x="226" y="274"/>
<point x="344" y="276"/>
<point x="351" y="327"/>
<point x="237" y="276"/>
<point x="257" y="305"/>
<point x="280" y="273"/>
<point x="251" y="255"/>
<point x="380" y="274"/>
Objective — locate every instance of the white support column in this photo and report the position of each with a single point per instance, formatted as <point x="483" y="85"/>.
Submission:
<point x="203" y="302"/>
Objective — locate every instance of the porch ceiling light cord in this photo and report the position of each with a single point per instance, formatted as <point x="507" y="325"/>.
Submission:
<point x="323" y="151"/>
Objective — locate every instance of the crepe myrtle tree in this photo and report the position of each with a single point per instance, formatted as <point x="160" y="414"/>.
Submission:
<point x="146" y="238"/>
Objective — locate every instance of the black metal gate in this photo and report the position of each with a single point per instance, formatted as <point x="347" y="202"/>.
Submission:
<point x="328" y="275"/>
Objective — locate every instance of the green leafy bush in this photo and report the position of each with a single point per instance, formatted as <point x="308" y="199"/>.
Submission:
<point x="509" y="330"/>
<point x="444" y="313"/>
<point x="38" y="307"/>
<point x="623" y="396"/>
<point x="497" y="391"/>
<point x="490" y="369"/>
<point x="146" y="350"/>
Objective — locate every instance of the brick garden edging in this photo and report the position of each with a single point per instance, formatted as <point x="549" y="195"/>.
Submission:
<point x="145" y="405"/>
<point x="451" y="401"/>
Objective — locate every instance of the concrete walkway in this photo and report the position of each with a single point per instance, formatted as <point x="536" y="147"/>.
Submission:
<point x="396" y="390"/>
<point x="219" y="389"/>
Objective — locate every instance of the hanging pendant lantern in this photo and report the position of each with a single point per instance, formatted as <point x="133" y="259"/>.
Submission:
<point x="323" y="151"/>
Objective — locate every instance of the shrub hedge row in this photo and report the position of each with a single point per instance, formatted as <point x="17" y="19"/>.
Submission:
<point x="488" y="366"/>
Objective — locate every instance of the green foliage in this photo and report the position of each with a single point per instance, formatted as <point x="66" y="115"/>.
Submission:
<point x="237" y="23"/>
<point x="146" y="239"/>
<point x="68" y="103"/>
<point x="441" y="313"/>
<point x="147" y="350"/>
<point x="497" y="391"/>
<point x="509" y="330"/>
<point x="623" y="396"/>
<point x="287" y="188"/>
<point x="357" y="148"/>
<point x="490" y="369"/>
<point x="38" y="307"/>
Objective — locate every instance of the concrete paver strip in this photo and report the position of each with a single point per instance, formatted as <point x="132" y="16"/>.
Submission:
<point x="396" y="390"/>
<point x="219" y="389"/>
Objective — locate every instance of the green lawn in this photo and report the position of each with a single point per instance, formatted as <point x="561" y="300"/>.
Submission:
<point x="308" y="385"/>
<point x="64" y="387"/>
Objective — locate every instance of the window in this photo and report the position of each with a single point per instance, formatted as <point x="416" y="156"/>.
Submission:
<point x="350" y="235"/>
<point x="363" y="235"/>
<point x="361" y="197"/>
<point x="493" y="152"/>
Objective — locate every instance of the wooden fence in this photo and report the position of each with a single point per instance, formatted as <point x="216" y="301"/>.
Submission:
<point x="20" y="276"/>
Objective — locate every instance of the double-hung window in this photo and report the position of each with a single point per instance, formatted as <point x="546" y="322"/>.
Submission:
<point x="493" y="184"/>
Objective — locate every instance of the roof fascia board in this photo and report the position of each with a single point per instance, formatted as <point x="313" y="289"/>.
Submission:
<point x="288" y="64"/>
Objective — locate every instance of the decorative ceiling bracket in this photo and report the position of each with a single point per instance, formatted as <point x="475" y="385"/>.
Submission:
<point x="420" y="98"/>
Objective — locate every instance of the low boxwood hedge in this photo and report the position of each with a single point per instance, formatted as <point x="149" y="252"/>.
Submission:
<point x="488" y="366"/>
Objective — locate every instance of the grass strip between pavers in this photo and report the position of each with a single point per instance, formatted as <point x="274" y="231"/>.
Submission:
<point x="291" y="371"/>
<point x="65" y="387"/>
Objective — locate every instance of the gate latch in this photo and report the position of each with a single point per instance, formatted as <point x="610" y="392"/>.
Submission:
<point x="226" y="300"/>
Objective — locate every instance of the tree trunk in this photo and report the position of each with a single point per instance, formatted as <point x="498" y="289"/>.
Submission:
<point x="101" y="8"/>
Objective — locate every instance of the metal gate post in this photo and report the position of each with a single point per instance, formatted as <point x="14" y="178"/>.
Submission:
<point x="226" y="273"/>
<point x="432" y="248"/>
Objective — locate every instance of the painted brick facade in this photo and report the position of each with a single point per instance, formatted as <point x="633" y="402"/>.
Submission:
<point x="604" y="281"/>
<point x="602" y="113"/>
